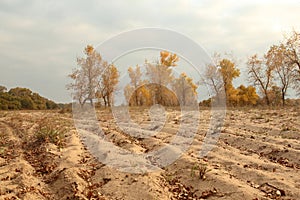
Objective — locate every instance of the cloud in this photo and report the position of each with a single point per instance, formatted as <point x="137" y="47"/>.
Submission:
<point x="40" y="40"/>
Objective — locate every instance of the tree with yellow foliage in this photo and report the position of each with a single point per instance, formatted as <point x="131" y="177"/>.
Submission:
<point x="229" y="72"/>
<point x="168" y="59"/>
<point x="128" y="90"/>
<point x="137" y="92"/>
<point x="94" y="78"/>
<point x="185" y="89"/>
<point x="222" y="77"/>
<point x="135" y="81"/>
<point x="160" y="73"/>
<point x="156" y="90"/>
<point x="86" y="78"/>
<point x="109" y="81"/>
<point x="144" y="94"/>
<point x="247" y="95"/>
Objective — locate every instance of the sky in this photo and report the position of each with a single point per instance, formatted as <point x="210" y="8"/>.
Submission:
<point x="40" y="40"/>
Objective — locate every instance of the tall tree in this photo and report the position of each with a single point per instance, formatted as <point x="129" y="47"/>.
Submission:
<point x="229" y="72"/>
<point x="86" y="79"/>
<point x="292" y="45"/>
<point x="260" y="74"/>
<point x="284" y="69"/>
<point x="213" y="78"/>
<point x="109" y="81"/>
<point x="135" y="81"/>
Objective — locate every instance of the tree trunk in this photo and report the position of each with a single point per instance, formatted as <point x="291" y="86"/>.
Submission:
<point x="267" y="97"/>
<point x="108" y="100"/>
<point x="160" y="95"/>
<point x="283" y="97"/>
<point x="81" y="102"/>
<point x="136" y="98"/>
<point x="84" y="102"/>
<point x="105" y="103"/>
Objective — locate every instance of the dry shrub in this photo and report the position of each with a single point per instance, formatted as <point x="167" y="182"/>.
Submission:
<point x="65" y="110"/>
<point x="202" y="170"/>
<point x="50" y="131"/>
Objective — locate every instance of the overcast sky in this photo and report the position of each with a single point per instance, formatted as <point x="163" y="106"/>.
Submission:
<point x="40" y="40"/>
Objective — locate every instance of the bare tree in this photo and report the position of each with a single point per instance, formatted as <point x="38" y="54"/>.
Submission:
<point x="292" y="46"/>
<point x="213" y="78"/>
<point x="86" y="79"/>
<point x="260" y="74"/>
<point x="78" y="86"/>
<point x="284" y="69"/>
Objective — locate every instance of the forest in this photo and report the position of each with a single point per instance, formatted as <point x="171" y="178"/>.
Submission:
<point x="22" y="98"/>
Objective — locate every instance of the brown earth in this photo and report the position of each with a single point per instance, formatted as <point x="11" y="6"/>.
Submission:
<point x="257" y="157"/>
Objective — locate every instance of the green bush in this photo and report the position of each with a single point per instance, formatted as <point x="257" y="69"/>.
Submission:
<point x="23" y="98"/>
<point x="27" y="103"/>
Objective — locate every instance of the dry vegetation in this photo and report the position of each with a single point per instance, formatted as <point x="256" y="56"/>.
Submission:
<point x="257" y="157"/>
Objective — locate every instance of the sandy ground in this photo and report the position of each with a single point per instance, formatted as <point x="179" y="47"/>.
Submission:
<point x="257" y="157"/>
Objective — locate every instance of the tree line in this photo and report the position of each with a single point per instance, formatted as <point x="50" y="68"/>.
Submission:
<point x="23" y="98"/>
<point x="269" y="77"/>
<point x="277" y="70"/>
<point x="96" y="79"/>
<point x="219" y="77"/>
<point x="271" y="74"/>
<point x="160" y="86"/>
